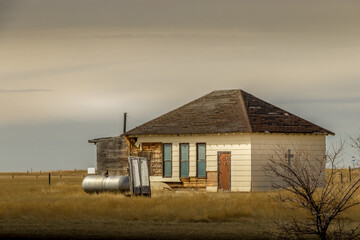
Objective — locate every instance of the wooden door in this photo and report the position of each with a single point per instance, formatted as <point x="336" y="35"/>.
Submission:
<point x="224" y="171"/>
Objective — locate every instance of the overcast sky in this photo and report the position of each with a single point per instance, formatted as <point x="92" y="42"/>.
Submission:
<point x="69" y="69"/>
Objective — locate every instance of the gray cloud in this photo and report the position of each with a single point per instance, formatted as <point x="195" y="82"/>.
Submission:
<point x="45" y="72"/>
<point x="351" y="100"/>
<point x="316" y="16"/>
<point x="24" y="90"/>
<point x="177" y="35"/>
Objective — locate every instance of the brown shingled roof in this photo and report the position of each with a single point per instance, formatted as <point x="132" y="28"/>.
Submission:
<point x="227" y="111"/>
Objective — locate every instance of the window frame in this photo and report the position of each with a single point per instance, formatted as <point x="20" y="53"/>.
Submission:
<point x="197" y="161"/>
<point x="163" y="160"/>
<point x="188" y="176"/>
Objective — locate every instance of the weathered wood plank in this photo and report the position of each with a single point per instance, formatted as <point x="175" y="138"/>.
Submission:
<point x="152" y="151"/>
<point x="112" y="156"/>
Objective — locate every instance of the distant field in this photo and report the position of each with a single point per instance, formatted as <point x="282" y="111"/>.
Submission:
<point x="29" y="207"/>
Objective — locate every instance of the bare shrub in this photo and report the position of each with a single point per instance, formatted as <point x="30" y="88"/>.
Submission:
<point x="323" y="197"/>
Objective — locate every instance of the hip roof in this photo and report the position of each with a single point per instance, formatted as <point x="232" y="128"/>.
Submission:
<point x="227" y="111"/>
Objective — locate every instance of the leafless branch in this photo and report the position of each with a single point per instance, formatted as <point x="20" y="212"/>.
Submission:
<point x="306" y="186"/>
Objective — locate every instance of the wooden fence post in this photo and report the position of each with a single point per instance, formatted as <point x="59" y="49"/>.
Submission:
<point x="341" y="177"/>
<point x="49" y="179"/>
<point x="350" y="173"/>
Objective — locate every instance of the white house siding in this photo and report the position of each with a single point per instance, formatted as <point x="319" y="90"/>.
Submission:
<point x="238" y="144"/>
<point x="263" y="145"/>
<point x="249" y="153"/>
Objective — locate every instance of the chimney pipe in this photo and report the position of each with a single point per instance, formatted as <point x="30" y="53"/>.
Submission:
<point x="124" y="129"/>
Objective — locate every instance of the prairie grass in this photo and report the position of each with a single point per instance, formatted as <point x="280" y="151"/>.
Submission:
<point x="28" y="198"/>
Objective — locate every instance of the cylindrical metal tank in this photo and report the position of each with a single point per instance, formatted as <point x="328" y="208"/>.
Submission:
<point x="95" y="183"/>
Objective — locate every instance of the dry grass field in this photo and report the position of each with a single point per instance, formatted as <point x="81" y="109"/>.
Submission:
<point x="30" y="208"/>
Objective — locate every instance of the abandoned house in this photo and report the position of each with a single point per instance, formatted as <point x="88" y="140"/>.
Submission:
<point x="217" y="142"/>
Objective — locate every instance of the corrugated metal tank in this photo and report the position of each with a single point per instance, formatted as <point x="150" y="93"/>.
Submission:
<point x="96" y="183"/>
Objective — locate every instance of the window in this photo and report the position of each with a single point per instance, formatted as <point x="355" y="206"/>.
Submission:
<point x="201" y="160"/>
<point x="167" y="160"/>
<point x="184" y="160"/>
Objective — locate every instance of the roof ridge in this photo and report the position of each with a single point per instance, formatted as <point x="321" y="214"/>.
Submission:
<point x="242" y="103"/>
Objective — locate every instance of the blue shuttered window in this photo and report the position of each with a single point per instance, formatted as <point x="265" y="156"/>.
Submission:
<point x="201" y="160"/>
<point x="184" y="160"/>
<point x="167" y="160"/>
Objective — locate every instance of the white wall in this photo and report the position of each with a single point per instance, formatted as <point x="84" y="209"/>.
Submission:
<point x="238" y="144"/>
<point x="249" y="153"/>
<point x="263" y="145"/>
